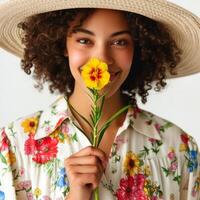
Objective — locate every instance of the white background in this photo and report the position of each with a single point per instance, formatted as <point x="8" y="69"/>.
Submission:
<point x="178" y="103"/>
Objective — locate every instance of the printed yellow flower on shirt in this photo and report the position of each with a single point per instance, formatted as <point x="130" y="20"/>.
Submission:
<point x="183" y="147"/>
<point x="60" y="136"/>
<point x="95" y="74"/>
<point x="10" y="158"/>
<point x="30" y="125"/>
<point x="37" y="192"/>
<point x="147" y="170"/>
<point x="131" y="164"/>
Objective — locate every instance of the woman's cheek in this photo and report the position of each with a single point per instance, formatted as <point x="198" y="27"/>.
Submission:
<point x="77" y="58"/>
<point x="125" y="59"/>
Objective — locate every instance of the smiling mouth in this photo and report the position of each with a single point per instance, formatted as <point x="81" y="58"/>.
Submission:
<point x="113" y="75"/>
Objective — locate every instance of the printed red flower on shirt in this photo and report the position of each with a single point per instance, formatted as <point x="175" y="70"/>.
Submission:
<point x="132" y="188"/>
<point x="59" y="122"/>
<point x="184" y="138"/>
<point x="4" y="143"/>
<point x="29" y="146"/>
<point x="46" y="150"/>
<point x="43" y="150"/>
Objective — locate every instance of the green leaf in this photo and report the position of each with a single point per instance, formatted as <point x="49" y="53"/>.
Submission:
<point x="155" y="150"/>
<point x="80" y="115"/>
<point x="29" y="189"/>
<point x="74" y="137"/>
<point x="177" y="178"/>
<point x="92" y="91"/>
<point x="92" y="116"/>
<point x="101" y="133"/>
<point x="166" y="171"/>
<point x="2" y="158"/>
<point x="107" y="124"/>
<point x="100" y="97"/>
<point x="168" y="125"/>
<point x="90" y="97"/>
<point x="99" y="113"/>
<point x="61" y="136"/>
<point x="101" y="106"/>
<point x="49" y="166"/>
<point x="93" y="122"/>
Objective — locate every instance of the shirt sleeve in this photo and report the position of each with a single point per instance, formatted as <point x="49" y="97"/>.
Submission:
<point x="190" y="177"/>
<point x="7" y="159"/>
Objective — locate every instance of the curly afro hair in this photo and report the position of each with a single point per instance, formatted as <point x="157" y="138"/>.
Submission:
<point x="155" y="52"/>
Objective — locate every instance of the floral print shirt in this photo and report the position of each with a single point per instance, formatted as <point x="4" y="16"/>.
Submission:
<point x="150" y="158"/>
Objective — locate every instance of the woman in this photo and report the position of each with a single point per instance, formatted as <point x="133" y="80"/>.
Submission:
<point x="141" y="156"/>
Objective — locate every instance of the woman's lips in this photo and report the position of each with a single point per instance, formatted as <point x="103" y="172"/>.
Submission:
<point x="113" y="75"/>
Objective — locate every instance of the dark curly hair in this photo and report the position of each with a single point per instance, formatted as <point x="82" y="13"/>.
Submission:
<point x="155" y="52"/>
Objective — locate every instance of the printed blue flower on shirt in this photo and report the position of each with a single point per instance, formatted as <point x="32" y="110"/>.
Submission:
<point x="193" y="155"/>
<point x="61" y="182"/>
<point x="193" y="163"/>
<point x="2" y="195"/>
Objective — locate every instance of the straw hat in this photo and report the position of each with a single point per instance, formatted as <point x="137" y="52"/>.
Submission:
<point x="182" y="24"/>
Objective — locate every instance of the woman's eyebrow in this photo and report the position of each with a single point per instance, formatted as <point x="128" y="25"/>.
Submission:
<point x="82" y="30"/>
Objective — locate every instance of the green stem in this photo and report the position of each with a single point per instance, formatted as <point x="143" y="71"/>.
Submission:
<point x="95" y="128"/>
<point x="95" y="132"/>
<point x="96" y="194"/>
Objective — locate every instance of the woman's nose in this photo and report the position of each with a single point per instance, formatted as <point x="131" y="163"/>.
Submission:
<point x="103" y="53"/>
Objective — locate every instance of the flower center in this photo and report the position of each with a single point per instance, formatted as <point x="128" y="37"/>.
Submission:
<point x="128" y="189"/>
<point x="46" y="149"/>
<point x="131" y="163"/>
<point x="95" y="74"/>
<point x="32" y="124"/>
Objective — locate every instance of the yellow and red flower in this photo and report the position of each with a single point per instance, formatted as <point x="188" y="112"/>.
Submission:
<point x="30" y="125"/>
<point x="95" y="74"/>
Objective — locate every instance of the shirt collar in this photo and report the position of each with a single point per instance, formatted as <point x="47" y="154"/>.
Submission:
<point x="144" y="122"/>
<point x="52" y="117"/>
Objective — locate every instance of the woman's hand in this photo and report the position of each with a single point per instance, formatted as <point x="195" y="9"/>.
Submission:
<point x="84" y="171"/>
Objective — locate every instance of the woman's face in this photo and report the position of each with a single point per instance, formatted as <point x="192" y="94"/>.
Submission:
<point x="105" y="35"/>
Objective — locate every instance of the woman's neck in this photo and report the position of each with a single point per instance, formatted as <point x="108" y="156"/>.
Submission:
<point x="82" y="103"/>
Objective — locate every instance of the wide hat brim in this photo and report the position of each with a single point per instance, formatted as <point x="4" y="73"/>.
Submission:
<point x="183" y="25"/>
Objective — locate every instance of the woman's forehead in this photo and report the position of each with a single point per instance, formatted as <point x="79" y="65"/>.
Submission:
<point x="101" y="17"/>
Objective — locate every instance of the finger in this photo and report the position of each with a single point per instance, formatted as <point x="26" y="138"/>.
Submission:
<point x="87" y="169"/>
<point x="85" y="160"/>
<point x="86" y="179"/>
<point x="90" y="150"/>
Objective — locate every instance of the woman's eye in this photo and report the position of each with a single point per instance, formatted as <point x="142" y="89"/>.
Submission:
<point x="83" y="41"/>
<point x="120" y="42"/>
